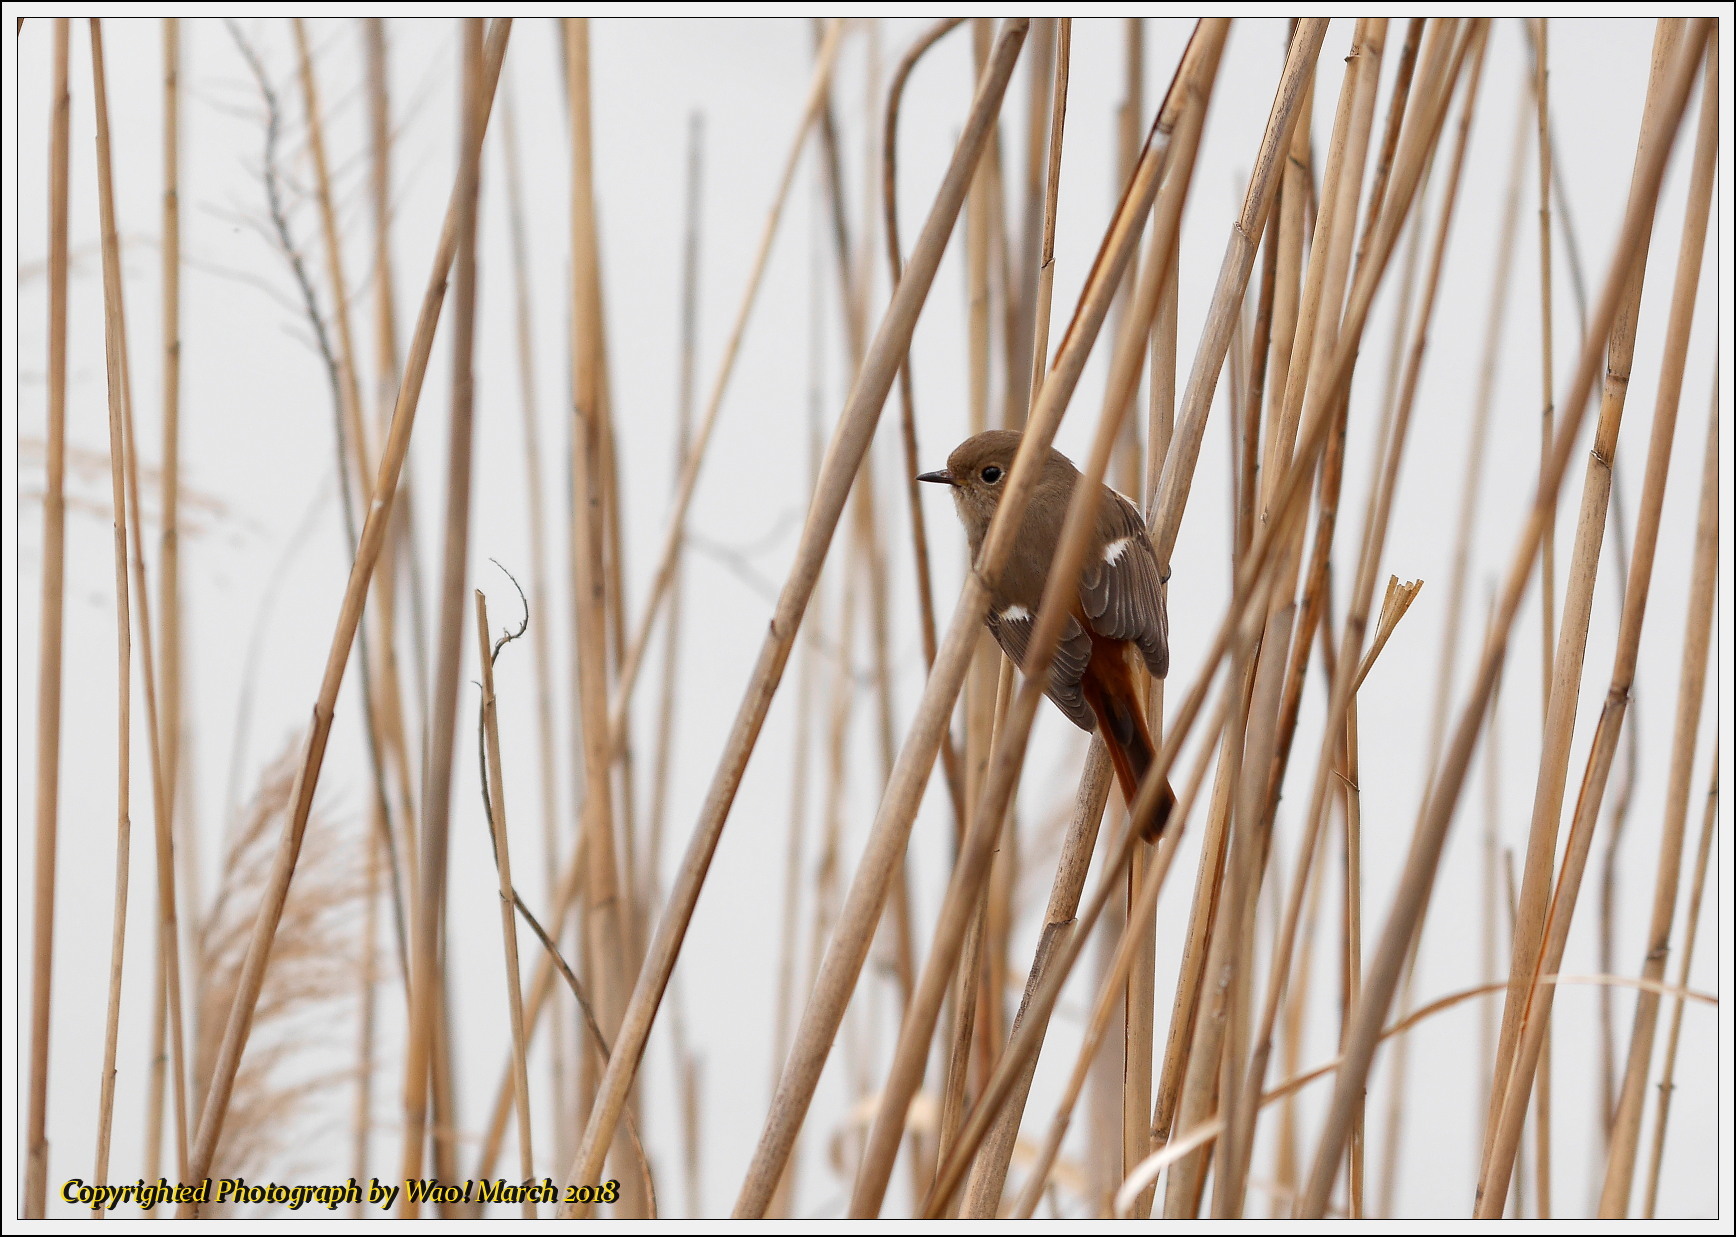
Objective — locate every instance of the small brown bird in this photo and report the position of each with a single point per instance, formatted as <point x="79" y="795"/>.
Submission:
<point x="1118" y="608"/>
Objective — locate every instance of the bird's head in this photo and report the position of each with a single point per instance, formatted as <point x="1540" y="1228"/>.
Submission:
<point x="977" y="470"/>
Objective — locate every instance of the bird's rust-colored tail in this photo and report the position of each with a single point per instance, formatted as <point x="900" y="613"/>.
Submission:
<point x="1109" y="689"/>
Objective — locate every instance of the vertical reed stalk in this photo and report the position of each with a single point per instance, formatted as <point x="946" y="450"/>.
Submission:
<point x="850" y="442"/>
<point x="48" y="680"/>
<point x="114" y="347"/>
<point x="503" y="863"/>
<point x="1624" y="1134"/>
<point x="1569" y="655"/>
<point x="368" y="549"/>
<point x="1667" y="1084"/>
<point x="425" y="1060"/>
<point x="1394" y="943"/>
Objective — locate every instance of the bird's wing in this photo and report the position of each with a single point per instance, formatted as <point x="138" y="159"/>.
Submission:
<point x="1119" y="591"/>
<point x="1011" y="627"/>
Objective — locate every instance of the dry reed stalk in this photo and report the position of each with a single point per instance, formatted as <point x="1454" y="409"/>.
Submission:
<point x="1194" y="77"/>
<point x="1568" y="659"/>
<point x="349" y="617"/>
<point x="1533" y="1042"/>
<point x="1339" y="726"/>
<point x="115" y="359"/>
<point x="673" y="533"/>
<point x="168" y="584"/>
<point x="402" y="546"/>
<point x="115" y="319"/>
<point x="542" y="634"/>
<point x="1430" y="835"/>
<point x="487" y="652"/>
<point x="850" y="442"/>
<point x="1624" y="1134"/>
<point x="1534" y="1027"/>
<point x="1321" y="305"/>
<point x="1546" y="298"/>
<point x="606" y="928"/>
<point x="48" y="675"/>
<point x="425" y="1084"/>
<point x="1667" y="1083"/>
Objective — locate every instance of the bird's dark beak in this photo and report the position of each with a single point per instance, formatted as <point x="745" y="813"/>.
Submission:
<point x="943" y="477"/>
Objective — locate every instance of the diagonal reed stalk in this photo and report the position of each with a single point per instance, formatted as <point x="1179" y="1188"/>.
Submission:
<point x="368" y="551"/>
<point x="1429" y="837"/>
<point x="48" y="681"/>
<point x="850" y="443"/>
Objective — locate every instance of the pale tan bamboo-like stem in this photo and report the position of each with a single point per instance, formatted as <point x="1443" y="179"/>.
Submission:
<point x="368" y="549"/>
<point x="168" y="583"/>
<point x="606" y="931"/>
<point x="541" y="634"/>
<point x="1051" y="200"/>
<point x="634" y="655"/>
<point x="349" y="386"/>
<point x="1533" y="1035"/>
<point x="48" y="678"/>
<point x="508" y="928"/>
<point x="1568" y="658"/>
<point x="403" y="543"/>
<point x="1338" y="719"/>
<point x="425" y="1061"/>
<point x="1546" y="298"/>
<point x="1194" y="77"/>
<point x="1625" y="1132"/>
<point x="850" y="442"/>
<point x="114" y="352"/>
<point x="1667" y="1083"/>
<point x="1381" y="978"/>
<point x="168" y="939"/>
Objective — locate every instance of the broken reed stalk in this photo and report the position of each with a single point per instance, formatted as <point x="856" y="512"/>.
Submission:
<point x="503" y="864"/>
<point x="52" y="628"/>
<point x="130" y="530"/>
<point x="1433" y="820"/>
<point x="1568" y="664"/>
<point x="1667" y="1082"/>
<point x="392" y="455"/>
<point x="1116" y="253"/>
<point x="672" y="536"/>
<point x="425" y="1061"/>
<point x="1624" y="1136"/>
<point x="849" y="444"/>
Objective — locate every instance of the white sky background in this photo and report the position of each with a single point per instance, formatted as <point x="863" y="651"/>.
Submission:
<point x="256" y="426"/>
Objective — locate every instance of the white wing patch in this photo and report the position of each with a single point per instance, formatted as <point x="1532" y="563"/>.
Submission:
<point x="1014" y="614"/>
<point x="1115" y="549"/>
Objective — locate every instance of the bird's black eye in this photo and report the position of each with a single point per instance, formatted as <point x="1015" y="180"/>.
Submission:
<point x="991" y="474"/>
